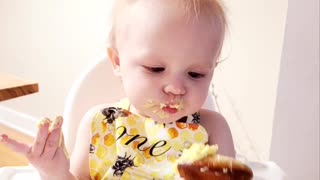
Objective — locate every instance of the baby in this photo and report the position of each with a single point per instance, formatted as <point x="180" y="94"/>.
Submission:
<point x="165" y="52"/>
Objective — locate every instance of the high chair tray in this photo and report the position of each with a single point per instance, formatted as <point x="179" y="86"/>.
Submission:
<point x="18" y="173"/>
<point x="262" y="171"/>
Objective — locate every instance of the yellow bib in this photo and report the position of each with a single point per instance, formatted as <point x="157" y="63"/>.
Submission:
<point x="128" y="146"/>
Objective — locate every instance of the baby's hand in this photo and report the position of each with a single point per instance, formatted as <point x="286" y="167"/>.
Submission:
<point x="47" y="154"/>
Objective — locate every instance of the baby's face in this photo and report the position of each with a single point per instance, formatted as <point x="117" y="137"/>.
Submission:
<point x="166" y="63"/>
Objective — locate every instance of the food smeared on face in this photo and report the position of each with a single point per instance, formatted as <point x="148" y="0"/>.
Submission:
<point x="163" y="110"/>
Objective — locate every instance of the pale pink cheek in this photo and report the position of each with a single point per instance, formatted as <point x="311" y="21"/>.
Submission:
<point x="195" y="103"/>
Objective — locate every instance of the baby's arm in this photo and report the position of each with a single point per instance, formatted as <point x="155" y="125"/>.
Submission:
<point x="218" y="131"/>
<point x="80" y="155"/>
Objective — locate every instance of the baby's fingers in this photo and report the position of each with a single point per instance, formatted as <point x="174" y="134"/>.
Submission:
<point x="54" y="139"/>
<point x="15" y="145"/>
<point x="41" y="138"/>
<point x="62" y="150"/>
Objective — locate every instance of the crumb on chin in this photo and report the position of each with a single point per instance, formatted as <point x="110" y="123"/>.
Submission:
<point x="161" y="114"/>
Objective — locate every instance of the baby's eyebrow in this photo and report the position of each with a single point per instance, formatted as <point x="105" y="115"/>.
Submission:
<point x="152" y="61"/>
<point x="147" y="56"/>
<point x="207" y="67"/>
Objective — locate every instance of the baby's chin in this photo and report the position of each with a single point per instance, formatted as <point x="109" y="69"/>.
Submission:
<point x="165" y="117"/>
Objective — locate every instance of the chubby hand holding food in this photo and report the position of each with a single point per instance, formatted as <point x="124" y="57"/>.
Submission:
<point x="47" y="153"/>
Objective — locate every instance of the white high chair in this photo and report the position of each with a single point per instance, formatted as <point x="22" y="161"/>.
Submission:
<point x="98" y="85"/>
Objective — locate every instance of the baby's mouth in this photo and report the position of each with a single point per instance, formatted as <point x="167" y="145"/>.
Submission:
<point x="170" y="108"/>
<point x="163" y="110"/>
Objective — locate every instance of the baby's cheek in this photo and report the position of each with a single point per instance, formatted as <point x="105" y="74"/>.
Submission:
<point x="196" y="99"/>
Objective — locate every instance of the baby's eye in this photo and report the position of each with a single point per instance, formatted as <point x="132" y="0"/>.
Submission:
<point x="195" y="75"/>
<point x="154" y="69"/>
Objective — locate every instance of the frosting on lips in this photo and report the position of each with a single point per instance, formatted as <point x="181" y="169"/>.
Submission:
<point x="163" y="110"/>
<point x="169" y="109"/>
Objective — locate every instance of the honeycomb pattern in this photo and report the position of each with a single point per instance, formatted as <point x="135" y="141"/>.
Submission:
<point x="137" y="147"/>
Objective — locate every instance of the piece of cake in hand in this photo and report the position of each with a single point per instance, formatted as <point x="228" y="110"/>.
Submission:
<point x="202" y="162"/>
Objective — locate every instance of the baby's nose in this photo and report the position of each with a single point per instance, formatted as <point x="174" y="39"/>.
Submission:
<point x="176" y="89"/>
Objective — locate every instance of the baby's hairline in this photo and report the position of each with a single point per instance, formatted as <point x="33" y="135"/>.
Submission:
<point x="194" y="10"/>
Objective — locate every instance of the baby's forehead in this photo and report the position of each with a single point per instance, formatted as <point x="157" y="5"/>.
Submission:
<point x="134" y="17"/>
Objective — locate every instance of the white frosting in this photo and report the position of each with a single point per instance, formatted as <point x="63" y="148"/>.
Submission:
<point x="197" y="152"/>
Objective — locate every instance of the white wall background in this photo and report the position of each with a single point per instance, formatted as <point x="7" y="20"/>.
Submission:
<point x="51" y="42"/>
<point x="246" y="82"/>
<point x="295" y="140"/>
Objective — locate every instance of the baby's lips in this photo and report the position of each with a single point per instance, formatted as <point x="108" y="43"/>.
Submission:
<point x="170" y="110"/>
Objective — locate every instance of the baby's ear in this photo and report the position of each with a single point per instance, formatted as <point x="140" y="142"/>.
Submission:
<point x="114" y="59"/>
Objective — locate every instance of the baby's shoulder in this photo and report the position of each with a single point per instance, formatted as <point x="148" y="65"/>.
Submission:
<point x="209" y="115"/>
<point x="218" y="131"/>
<point x="211" y="119"/>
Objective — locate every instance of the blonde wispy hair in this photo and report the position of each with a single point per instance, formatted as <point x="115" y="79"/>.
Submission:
<point x="213" y="10"/>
